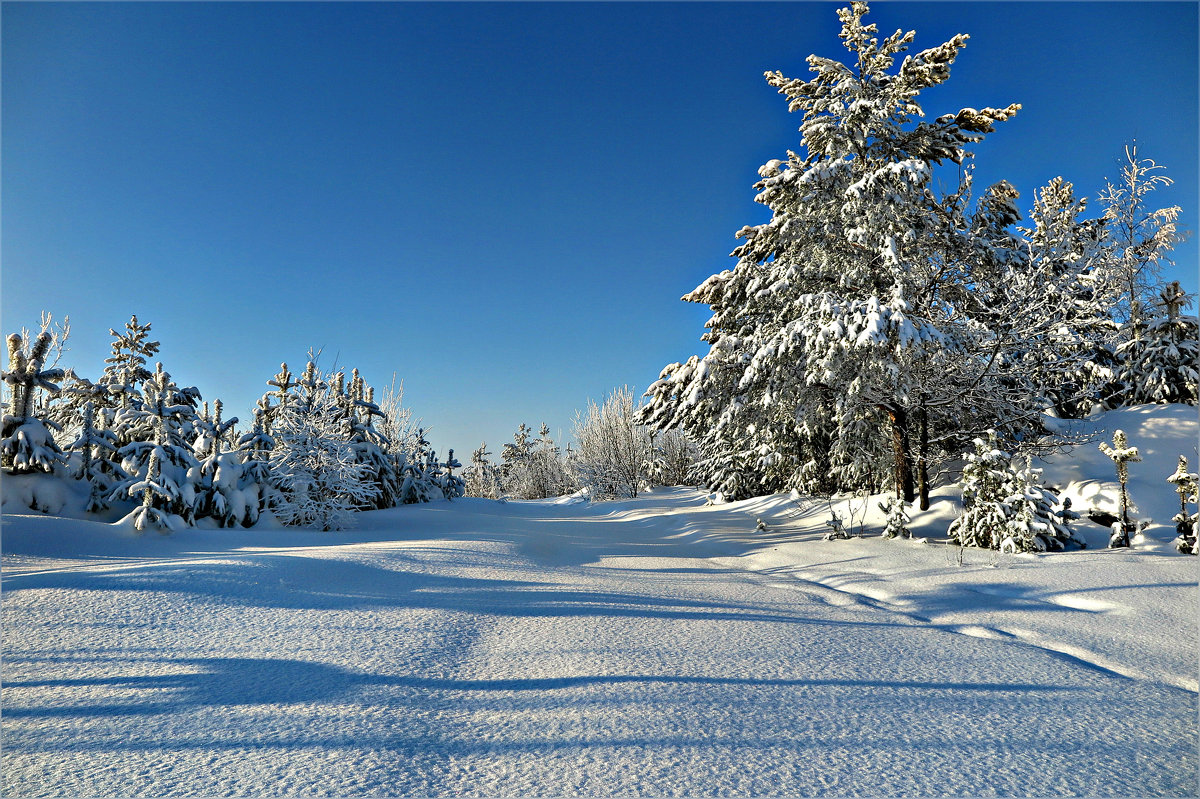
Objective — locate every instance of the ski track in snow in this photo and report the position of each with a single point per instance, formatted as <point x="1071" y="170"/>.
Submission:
<point x="650" y="647"/>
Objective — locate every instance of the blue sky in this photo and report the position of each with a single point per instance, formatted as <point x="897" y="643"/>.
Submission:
<point x="499" y="203"/>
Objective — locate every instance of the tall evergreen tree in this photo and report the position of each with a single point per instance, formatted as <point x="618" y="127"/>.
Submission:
<point x="841" y="321"/>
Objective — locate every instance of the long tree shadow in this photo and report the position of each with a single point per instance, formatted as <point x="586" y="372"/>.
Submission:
<point x="229" y="682"/>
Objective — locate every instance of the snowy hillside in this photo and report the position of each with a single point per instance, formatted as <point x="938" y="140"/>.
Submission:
<point x="659" y="646"/>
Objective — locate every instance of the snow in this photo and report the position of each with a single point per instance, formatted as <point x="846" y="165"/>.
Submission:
<point x="662" y="646"/>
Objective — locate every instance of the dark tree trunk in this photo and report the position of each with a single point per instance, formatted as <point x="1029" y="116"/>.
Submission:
<point x="922" y="463"/>
<point x="902" y="452"/>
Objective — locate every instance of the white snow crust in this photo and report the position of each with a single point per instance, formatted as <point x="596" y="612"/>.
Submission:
<point x="657" y="646"/>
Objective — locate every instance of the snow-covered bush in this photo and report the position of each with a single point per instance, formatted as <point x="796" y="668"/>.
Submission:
<point x="612" y="447"/>
<point x="420" y="473"/>
<point x="533" y="468"/>
<point x="672" y="458"/>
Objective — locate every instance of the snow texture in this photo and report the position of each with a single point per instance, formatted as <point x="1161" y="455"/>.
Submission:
<point x="657" y="646"/>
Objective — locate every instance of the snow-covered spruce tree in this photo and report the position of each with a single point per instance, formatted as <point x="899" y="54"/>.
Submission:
<point x="161" y="427"/>
<point x="26" y="442"/>
<point x="452" y="485"/>
<point x="841" y="321"/>
<point x="157" y="493"/>
<point x="254" y="448"/>
<point x="1035" y="522"/>
<point x="612" y="447"/>
<point x="218" y="478"/>
<point x="985" y="479"/>
<point x="125" y="371"/>
<point x="317" y="478"/>
<point x="1008" y="508"/>
<point x="420" y="474"/>
<point x="1122" y="455"/>
<point x="1160" y="361"/>
<point x="515" y="469"/>
<point x="370" y="444"/>
<point x="1187" y="485"/>
<point x="271" y="401"/>
<point x="548" y="477"/>
<point x="98" y="462"/>
<point x="482" y="477"/>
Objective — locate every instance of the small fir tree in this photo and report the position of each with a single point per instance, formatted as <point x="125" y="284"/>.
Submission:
<point x="26" y="442"/>
<point x="482" y="476"/>
<point x="98" y="464"/>
<point x="1186" y="486"/>
<point x="896" y="510"/>
<point x="1160" y="361"/>
<point x="125" y="369"/>
<point x="1122" y="455"/>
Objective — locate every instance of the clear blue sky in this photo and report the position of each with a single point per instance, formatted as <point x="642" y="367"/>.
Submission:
<point x="500" y="203"/>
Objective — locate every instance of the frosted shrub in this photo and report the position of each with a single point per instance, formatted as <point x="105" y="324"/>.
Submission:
<point x="613" y="446"/>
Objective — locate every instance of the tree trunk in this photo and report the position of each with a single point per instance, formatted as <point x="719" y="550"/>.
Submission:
<point x="922" y="463"/>
<point x="902" y="451"/>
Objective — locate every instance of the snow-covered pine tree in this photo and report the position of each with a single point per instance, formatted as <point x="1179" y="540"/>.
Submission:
<point x="317" y="479"/>
<point x="1121" y="455"/>
<point x="1061" y="288"/>
<point x="482" y="477"/>
<point x="98" y="464"/>
<point x="1160" y="362"/>
<point x="896" y="518"/>
<point x="161" y="427"/>
<point x="26" y="442"/>
<point x="841" y="312"/>
<point x="1187" y="485"/>
<point x="125" y="371"/>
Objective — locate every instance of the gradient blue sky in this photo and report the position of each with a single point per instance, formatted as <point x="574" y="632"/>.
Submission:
<point x="500" y="203"/>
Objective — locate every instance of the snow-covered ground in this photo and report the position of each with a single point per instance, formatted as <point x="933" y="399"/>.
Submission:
<point x="659" y="646"/>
